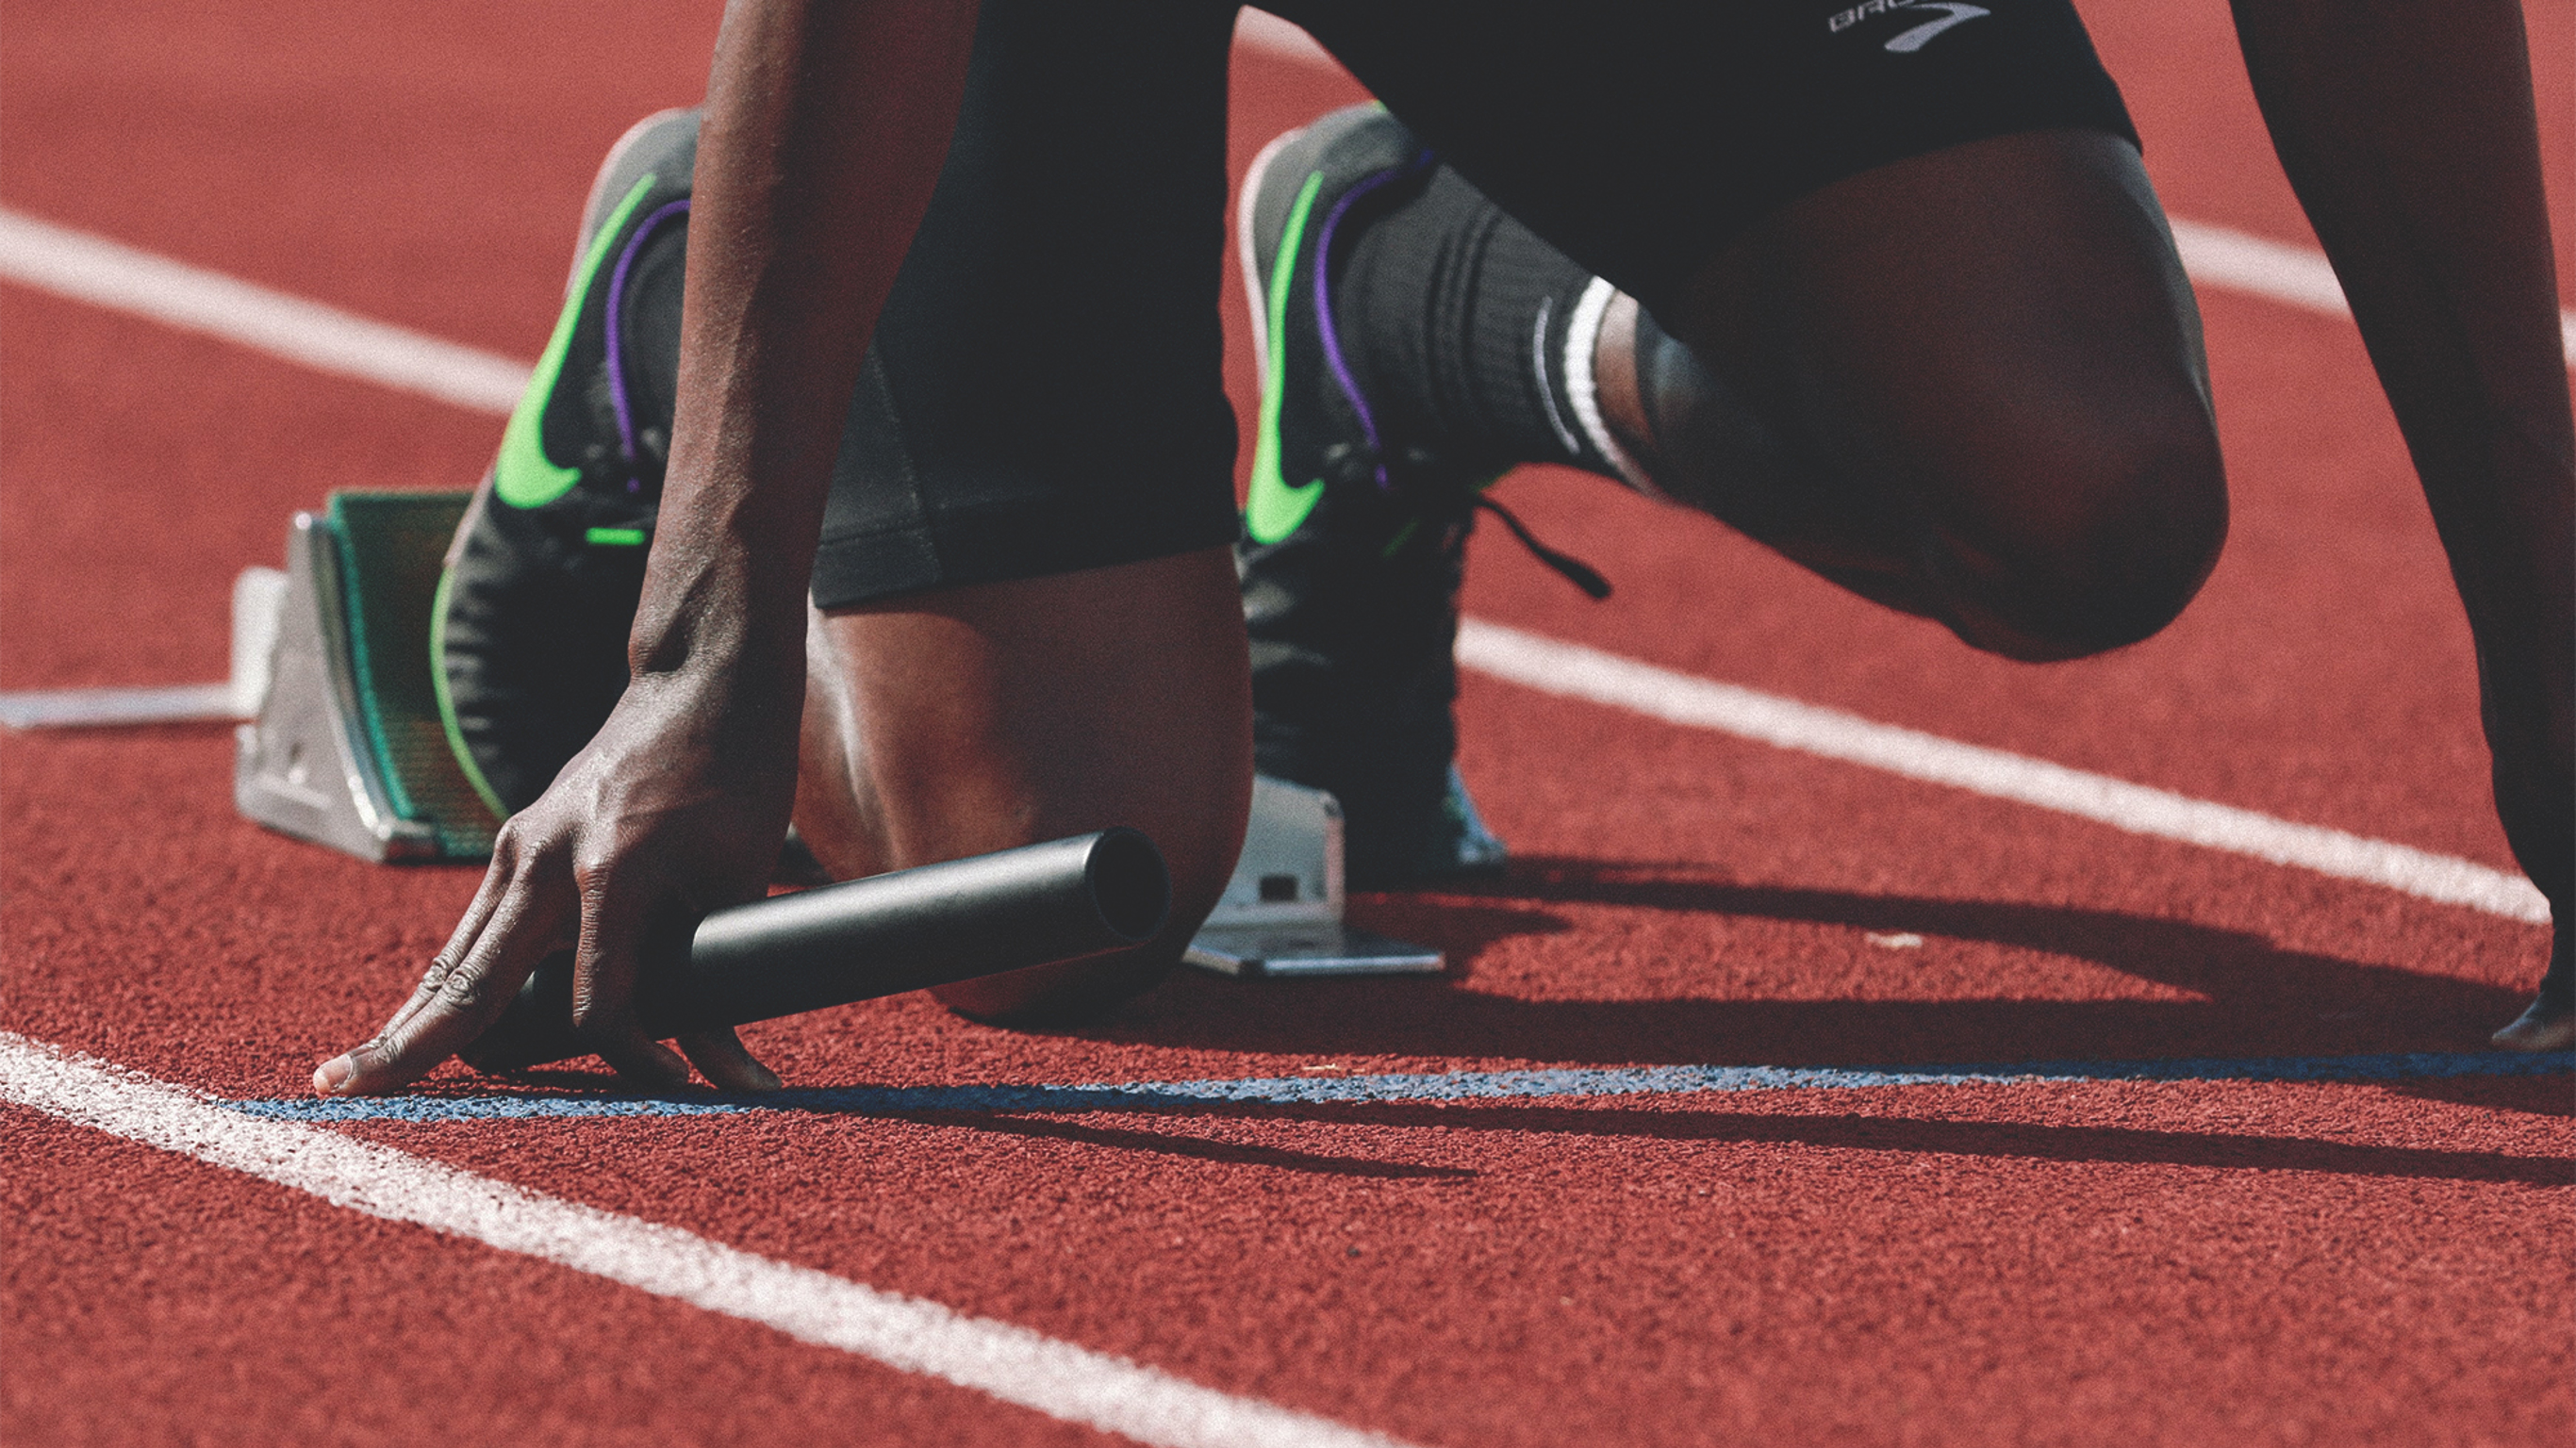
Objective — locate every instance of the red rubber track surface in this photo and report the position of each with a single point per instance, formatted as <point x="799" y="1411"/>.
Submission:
<point x="2173" y="1263"/>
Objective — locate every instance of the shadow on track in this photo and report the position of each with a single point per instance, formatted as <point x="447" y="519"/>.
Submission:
<point x="1172" y="1126"/>
<point x="1166" y="1143"/>
<point x="2259" y="998"/>
<point x="2000" y="1139"/>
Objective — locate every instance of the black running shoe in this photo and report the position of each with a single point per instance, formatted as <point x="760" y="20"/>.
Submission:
<point x="2549" y="1023"/>
<point x="528" y="636"/>
<point x="1354" y="542"/>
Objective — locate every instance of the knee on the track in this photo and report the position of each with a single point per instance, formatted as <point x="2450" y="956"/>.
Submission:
<point x="2105" y="537"/>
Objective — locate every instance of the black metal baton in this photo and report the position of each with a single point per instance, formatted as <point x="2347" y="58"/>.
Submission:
<point x="854" y="941"/>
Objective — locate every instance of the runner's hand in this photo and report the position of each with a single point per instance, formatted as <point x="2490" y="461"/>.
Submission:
<point x="677" y="808"/>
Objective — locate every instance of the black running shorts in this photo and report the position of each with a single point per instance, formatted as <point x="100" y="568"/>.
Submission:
<point x="1044" y="394"/>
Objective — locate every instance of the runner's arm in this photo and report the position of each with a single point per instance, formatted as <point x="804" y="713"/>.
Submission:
<point x="826" y="127"/>
<point x="2409" y="133"/>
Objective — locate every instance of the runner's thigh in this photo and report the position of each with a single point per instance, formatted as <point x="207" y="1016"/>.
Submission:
<point x="1045" y="391"/>
<point x="1914" y="239"/>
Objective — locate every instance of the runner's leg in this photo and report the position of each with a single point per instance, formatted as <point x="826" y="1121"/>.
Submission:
<point x="1025" y="616"/>
<point x="1906" y="308"/>
<point x="1968" y="385"/>
<point x="999" y="714"/>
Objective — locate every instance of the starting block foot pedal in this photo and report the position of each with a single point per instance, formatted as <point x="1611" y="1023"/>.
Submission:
<point x="1282" y="912"/>
<point x="347" y="748"/>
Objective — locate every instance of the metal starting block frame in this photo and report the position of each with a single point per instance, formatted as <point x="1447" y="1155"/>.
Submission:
<point x="1281" y="914"/>
<point x="346" y="748"/>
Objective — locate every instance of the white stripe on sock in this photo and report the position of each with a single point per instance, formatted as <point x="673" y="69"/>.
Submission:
<point x="1575" y="672"/>
<point x="1013" y="1364"/>
<point x="2214" y="255"/>
<point x="1546" y="392"/>
<point x="1582" y="334"/>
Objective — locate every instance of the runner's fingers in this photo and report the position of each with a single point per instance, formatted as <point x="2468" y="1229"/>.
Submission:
<point x="454" y="1004"/>
<point x="603" y="984"/>
<point x="721" y="1057"/>
<point x="642" y="1060"/>
<point x="431" y="980"/>
<point x="497" y="880"/>
<point x="469" y="999"/>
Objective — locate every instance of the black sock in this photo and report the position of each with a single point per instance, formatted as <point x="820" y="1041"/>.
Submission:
<point x="1460" y="317"/>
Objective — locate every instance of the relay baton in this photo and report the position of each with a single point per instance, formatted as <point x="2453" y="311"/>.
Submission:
<point x="1063" y="900"/>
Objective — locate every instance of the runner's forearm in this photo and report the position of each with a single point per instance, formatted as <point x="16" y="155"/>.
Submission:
<point x="2408" y="131"/>
<point x="826" y="128"/>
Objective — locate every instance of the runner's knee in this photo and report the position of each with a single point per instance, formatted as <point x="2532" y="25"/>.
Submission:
<point x="2041" y="517"/>
<point x="993" y="715"/>
<point x="2082" y="540"/>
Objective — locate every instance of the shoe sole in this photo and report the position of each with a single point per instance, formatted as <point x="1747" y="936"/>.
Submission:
<point x="603" y="194"/>
<point x="595" y="207"/>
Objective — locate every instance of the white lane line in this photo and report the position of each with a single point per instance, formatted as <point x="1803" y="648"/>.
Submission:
<point x="2128" y="806"/>
<point x="108" y="708"/>
<point x="1013" y="1364"/>
<point x="2220" y="257"/>
<point x="111" y="274"/>
<point x="2216" y="256"/>
<point x="1576" y="672"/>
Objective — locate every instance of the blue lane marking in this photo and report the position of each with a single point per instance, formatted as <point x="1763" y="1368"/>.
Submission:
<point x="1443" y="1086"/>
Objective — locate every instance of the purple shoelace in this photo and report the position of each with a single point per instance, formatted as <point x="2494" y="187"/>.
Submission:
<point x="1324" y="306"/>
<point x="1575" y="570"/>
<point x="616" y="307"/>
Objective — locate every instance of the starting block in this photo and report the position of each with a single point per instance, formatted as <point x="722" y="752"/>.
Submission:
<point x="345" y="746"/>
<point x="1281" y="914"/>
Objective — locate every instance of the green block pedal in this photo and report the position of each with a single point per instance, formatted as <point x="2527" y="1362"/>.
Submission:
<point x="347" y="748"/>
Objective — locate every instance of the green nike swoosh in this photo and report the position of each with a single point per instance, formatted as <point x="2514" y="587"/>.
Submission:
<point x="523" y="476"/>
<point x="1274" y="508"/>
